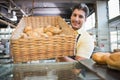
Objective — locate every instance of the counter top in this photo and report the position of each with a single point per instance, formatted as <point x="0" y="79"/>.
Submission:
<point x="101" y="70"/>
<point x="58" y="71"/>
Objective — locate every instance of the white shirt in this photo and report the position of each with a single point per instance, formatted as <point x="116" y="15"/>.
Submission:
<point x="85" y="44"/>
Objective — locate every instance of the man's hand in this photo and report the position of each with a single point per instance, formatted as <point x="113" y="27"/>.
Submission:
<point x="79" y="58"/>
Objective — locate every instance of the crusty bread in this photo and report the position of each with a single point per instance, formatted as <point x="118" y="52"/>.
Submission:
<point x="30" y="32"/>
<point x="114" y="60"/>
<point x="52" y="29"/>
<point x="49" y="33"/>
<point x="112" y="67"/>
<point x="100" y="57"/>
<point x="111" y="59"/>
<point x="27" y="28"/>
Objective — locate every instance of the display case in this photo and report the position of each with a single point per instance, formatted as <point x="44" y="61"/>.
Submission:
<point x="82" y="70"/>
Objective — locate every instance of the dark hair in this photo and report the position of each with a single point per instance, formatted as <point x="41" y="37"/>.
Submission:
<point x="83" y="7"/>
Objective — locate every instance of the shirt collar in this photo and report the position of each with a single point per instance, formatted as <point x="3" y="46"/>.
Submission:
<point x="81" y="30"/>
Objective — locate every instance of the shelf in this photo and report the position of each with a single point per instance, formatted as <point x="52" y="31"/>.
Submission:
<point x="3" y="33"/>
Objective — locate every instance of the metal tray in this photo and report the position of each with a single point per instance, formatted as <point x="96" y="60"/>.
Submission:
<point x="102" y="71"/>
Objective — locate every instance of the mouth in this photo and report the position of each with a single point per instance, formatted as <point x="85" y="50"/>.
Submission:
<point x="76" y="24"/>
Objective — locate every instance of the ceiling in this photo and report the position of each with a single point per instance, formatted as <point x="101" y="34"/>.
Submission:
<point x="39" y="8"/>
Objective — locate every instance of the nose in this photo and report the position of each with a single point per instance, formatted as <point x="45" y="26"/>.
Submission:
<point x="76" y="18"/>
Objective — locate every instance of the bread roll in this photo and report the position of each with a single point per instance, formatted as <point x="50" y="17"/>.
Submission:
<point x="49" y="33"/>
<point x="52" y="29"/>
<point x="23" y="35"/>
<point x="100" y="57"/>
<point x="27" y="28"/>
<point x="43" y="35"/>
<point x="114" y="60"/>
<point x="39" y="30"/>
<point x="32" y="34"/>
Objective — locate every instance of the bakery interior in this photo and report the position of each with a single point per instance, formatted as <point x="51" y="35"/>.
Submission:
<point x="104" y="27"/>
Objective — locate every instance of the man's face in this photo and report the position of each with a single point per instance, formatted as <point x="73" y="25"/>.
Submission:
<point x="77" y="19"/>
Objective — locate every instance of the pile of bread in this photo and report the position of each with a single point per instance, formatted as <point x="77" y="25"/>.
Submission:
<point x="49" y="30"/>
<point x="112" y="60"/>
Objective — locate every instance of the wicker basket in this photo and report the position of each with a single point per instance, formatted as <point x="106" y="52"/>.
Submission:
<point x="24" y="50"/>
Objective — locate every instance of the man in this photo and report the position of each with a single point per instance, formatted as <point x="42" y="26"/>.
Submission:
<point x="85" y="43"/>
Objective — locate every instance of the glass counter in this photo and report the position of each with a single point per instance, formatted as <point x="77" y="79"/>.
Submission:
<point x="82" y="70"/>
<point x="46" y="71"/>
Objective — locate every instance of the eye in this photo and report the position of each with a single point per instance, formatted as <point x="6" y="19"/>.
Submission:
<point x="80" y="16"/>
<point x="74" y="15"/>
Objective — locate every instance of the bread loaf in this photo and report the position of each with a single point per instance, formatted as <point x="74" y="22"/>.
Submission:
<point x="114" y="60"/>
<point x="111" y="59"/>
<point x="100" y="57"/>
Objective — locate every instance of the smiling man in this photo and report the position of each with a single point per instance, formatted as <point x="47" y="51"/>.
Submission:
<point x="85" y="43"/>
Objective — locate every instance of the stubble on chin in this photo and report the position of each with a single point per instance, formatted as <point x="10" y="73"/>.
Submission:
<point x="76" y="27"/>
